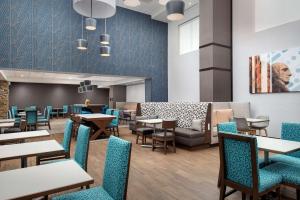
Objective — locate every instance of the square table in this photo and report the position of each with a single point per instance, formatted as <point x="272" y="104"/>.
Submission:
<point x="276" y="145"/>
<point x="100" y="120"/>
<point x="21" y="136"/>
<point x="24" y="150"/>
<point x="152" y="122"/>
<point x="42" y="180"/>
<point x="6" y="125"/>
<point x="7" y="120"/>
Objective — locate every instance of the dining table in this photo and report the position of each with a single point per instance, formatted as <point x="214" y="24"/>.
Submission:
<point x="6" y="125"/>
<point x="275" y="145"/>
<point x="23" y="114"/>
<point x="22" y="136"/>
<point x="101" y="121"/>
<point x="24" y="150"/>
<point x="7" y="120"/>
<point x="43" y="180"/>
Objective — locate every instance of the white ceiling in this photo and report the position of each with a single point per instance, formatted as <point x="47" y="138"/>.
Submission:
<point x="153" y="8"/>
<point x="102" y="81"/>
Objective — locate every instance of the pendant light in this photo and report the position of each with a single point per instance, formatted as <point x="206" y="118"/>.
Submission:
<point x="82" y="43"/>
<point x="132" y="3"/>
<point x="105" y="51"/>
<point x="104" y="38"/>
<point x="175" y="10"/>
<point x="102" y="8"/>
<point x="91" y="23"/>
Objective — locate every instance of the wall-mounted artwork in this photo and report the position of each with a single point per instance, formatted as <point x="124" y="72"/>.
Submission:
<point x="275" y="72"/>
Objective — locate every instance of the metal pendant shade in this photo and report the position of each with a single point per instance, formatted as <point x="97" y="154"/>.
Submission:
<point x="101" y="8"/>
<point x="175" y="10"/>
<point x="105" y="51"/>
<point x="90" y="24"/>
<point x="82" y="44"/>
<point x="104" y="38"/>
<point x="132" y="3"/>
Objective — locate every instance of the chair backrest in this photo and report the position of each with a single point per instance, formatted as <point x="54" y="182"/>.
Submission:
<point x="242" y="124"/>
<point x="115" y="121"/>
<point x="9" y="116"/>
<point x="65" y="108"/>
<point x="239" y="159"/>
<point x="66" y="143"/>
<point x="14" y="111"/>
<point x="108" y="111"/>
<point x="116" y="170"/>
<point x="31" y="117"/>
<point x="229" y="127"/>
<point x="45" y="112"/>
<point x="290" y="131"/>
<point x="104" y="108"/>
<point x="82" y="146"/>
<point x="49" y="111"/>
<point x="169" y="124"/>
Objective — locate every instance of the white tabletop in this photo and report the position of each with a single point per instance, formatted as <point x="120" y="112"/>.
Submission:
<point x="14" y="151"/>
<point x="129" y="110"/>
<point x="6" y="120"/>
<point x="9" y="137"/>
<point x="42" y="180"/>
<point x="95" y="116"/>
<point x="276" y="145"/>
<point x="151" y="121"/>
<point x="7" y="125"/>
<point x="256" y="120"/>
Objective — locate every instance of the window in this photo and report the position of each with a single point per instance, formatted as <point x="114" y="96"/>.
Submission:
<point x="189" y="36"/>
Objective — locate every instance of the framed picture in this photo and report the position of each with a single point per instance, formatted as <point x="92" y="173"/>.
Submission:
<point x="275" y="72"/>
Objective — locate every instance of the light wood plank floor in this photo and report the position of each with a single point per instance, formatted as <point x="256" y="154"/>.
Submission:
<point x="186" y="174"/>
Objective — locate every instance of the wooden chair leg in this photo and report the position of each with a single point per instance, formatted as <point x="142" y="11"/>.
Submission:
<point x="49" y="125"/>
<point x="118" y="131"/>
<point x="153" y="144"/>
<point x="243" y="196"/>
<point x="174" y="146"/>
<point x="165" y="146"/>
<point x="278" y="192"/>
<point x="298" y="194"/>
<point x="266" y="132"/>
<point x="222" y="192"/>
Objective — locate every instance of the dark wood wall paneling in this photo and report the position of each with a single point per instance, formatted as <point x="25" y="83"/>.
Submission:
<point x="57" y="95"/>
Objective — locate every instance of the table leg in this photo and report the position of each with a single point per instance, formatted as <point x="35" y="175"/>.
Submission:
<point x="101" y="125"/>
<point x="23" y="162"/>
<point x="266" y="157"/>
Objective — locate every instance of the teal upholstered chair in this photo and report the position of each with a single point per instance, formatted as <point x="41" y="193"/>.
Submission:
<point x="229" y="127"/>
<point x="239" y="167"/>
<point x="82" y="146"/>
<point x="31" y="119"/>
<point x="9" y="115"/>
<point x="104" y="108"/>
<point x="46" y="120"/>
<point x="115" y="176"/>
<point x="109" y="111"/>
<point x="290" y="175"/>
<point x="44" y="116"/>
<point x="65" y="110"/>
<point x="14" y="115"/>
<point x="114" y="125"/>
<point x="289" y="131"/>
<point x="66" y="144"/>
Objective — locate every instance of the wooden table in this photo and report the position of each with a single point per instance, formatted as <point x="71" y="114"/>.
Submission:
<point x="276" y="145"/>
<point x="21" y="136"/>
<point x="129" y="112"/>
<point x="7" y="120"/>
<point x="23" y="114"/>
<point x="42" y="180"/>
<point x="24" y="150"/>
<point x="100" y="120"/>
<point x="6" y="125"/>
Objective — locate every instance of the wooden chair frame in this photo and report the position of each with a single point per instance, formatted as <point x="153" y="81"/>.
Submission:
<point x="253" y="192"/>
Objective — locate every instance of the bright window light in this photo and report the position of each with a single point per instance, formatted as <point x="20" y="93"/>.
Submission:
<point x="189" y="36"/>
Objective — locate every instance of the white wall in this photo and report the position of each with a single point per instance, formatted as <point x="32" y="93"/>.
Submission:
<point x="135" y="93"/>
<point x="183" y="70"/>
<point x="247" y="42"/>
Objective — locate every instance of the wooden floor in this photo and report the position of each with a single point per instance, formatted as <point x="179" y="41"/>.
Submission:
<point x="184" y="175"/>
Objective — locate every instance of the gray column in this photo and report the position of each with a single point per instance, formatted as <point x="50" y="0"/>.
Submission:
<point x="215" y="50"/>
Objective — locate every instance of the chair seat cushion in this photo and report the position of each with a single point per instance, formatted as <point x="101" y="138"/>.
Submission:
<point x="268" y="179"/>
<point x="145" y="130"/>
<point x="85" y="112"/>
<point x="89" y="194"/>
<point x="161" y="134"/>
<point x="187" y="132"/>
<point x="290" y="174"/>
<point x="286" y="159"/>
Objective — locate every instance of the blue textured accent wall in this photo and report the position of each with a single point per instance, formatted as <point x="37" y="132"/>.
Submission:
<point x="41" y="35"/>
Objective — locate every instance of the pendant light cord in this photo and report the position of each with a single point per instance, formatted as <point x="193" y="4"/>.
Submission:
<point x="91" y="8"/>
<point x="105" y="25"/>
<point x="82" y="27"/>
